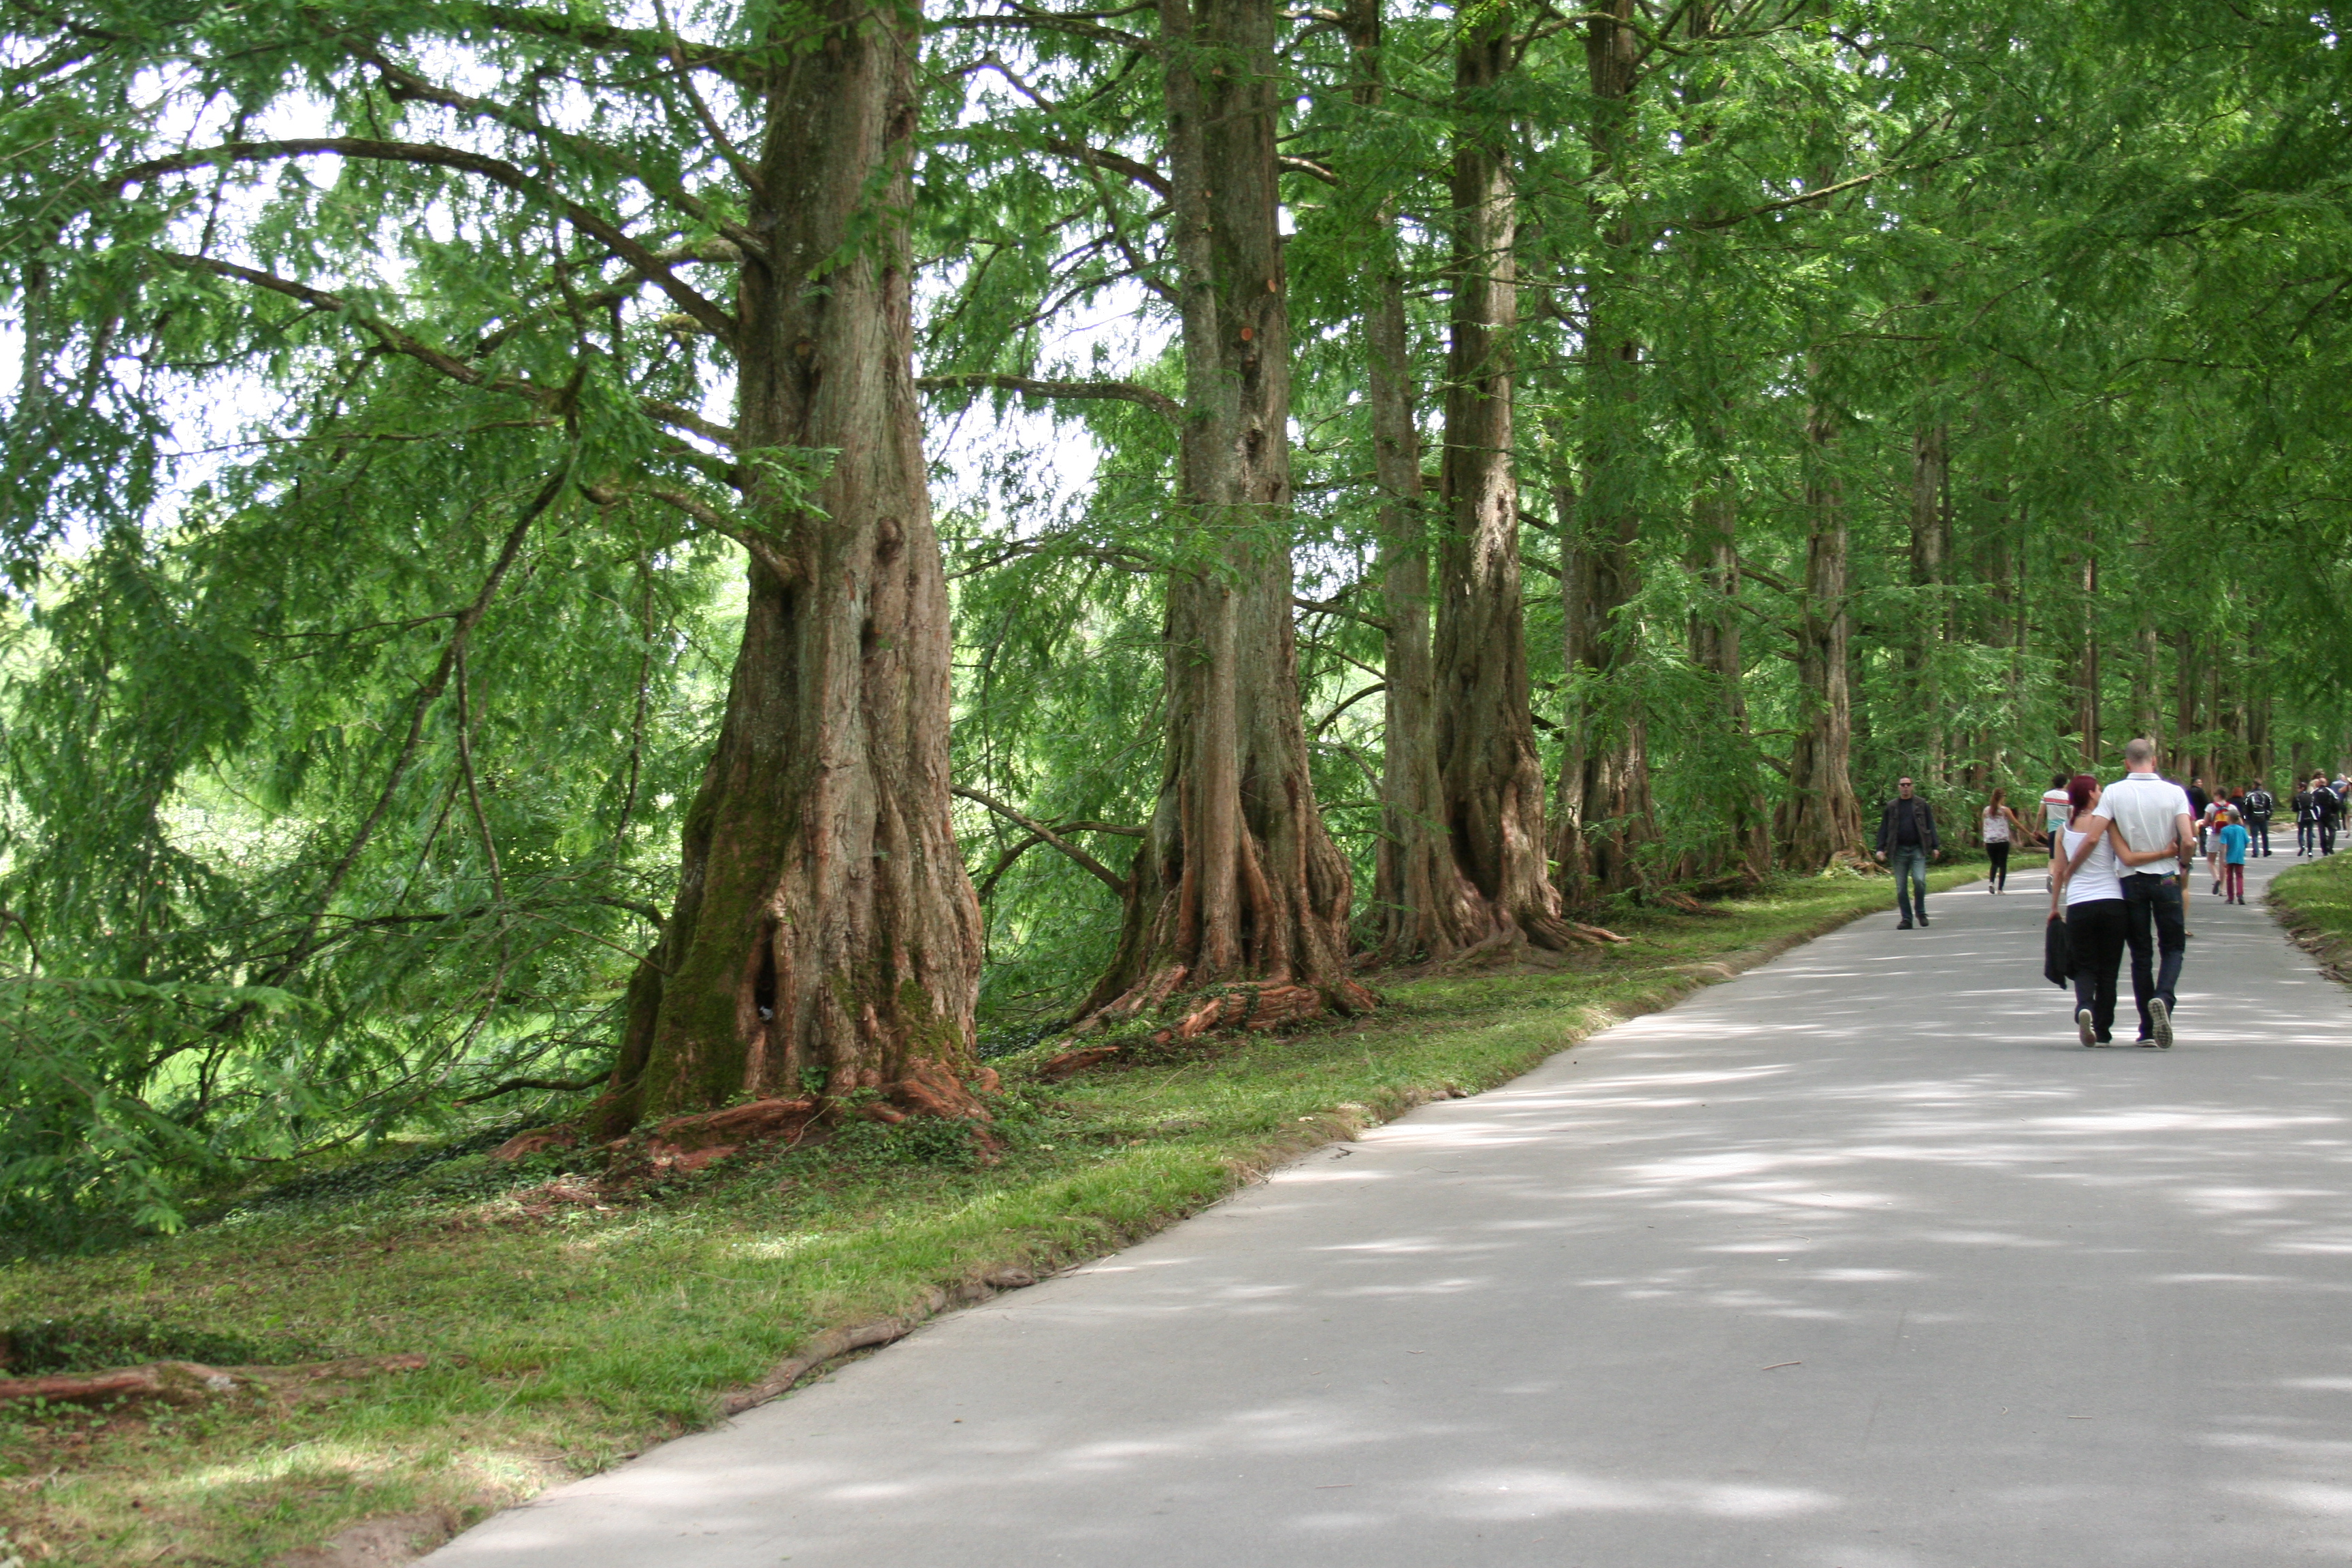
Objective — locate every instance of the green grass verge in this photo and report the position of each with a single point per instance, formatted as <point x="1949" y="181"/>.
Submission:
<point x="569" y="1331"/>
<point x="2315" y="902"/>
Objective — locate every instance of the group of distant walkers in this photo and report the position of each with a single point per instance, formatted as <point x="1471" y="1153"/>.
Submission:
<point x="2106" y="845"/>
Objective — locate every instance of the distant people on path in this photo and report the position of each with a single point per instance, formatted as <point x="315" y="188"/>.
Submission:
<point x="1907" y="830"/>
<point x="2322" y="810"/>
<point x="2259" y="805"/>
<point x="2232" y="841"/>
<point x="2307" y="832"/>
<point x="2086" y="881"/>
<point x="2152" y="821"/>
<point x="2003" y="827"/>
<point x="2055" y="809"/>
<point x="2200" y="803"/>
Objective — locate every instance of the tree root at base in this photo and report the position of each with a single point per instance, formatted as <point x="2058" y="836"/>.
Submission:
<point x="188" y="1382"/>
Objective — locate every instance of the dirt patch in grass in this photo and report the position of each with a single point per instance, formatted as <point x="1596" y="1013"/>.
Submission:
<point x="573" y="1322"/>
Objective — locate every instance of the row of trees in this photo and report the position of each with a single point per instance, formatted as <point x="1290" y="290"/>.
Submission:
<point x="1416" y="480"/>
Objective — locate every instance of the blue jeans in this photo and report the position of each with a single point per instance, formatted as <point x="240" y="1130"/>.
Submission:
<point x="1910" y="863"/>
<point x="2153" y="901"/>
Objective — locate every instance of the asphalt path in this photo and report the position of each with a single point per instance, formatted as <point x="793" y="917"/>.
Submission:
<point x="1857" y="1261"/>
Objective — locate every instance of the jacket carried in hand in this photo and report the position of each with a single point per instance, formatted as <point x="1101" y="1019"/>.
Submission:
<point x="1928" y="840"/>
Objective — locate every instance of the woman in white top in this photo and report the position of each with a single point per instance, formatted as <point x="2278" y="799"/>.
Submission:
<point x="2003" y="827"/>
<point x="2093" y="894"/>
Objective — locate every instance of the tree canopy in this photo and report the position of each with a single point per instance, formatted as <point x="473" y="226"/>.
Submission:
<point x="1409" y="478"/>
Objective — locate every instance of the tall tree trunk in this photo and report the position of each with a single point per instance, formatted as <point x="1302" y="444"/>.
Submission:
<point x="1571" y="851"/>
<point x="1495" y="889"/>
<point x="1822" y="818"/>
<point x="2184" y="705"/>
<point x="2147" y="707"/>
<point x="1613" y="806"/>
<point x="1931" y="549"/>
<point x="826" y="936"/>
<point x="1714" y="647"/>
<point x="1238" y="879"/>
<point x="2087" y="679"/>
<point x="1411" y="872"/>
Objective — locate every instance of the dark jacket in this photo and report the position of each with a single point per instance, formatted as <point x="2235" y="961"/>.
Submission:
<point x="2259" y="803"/>
<point x="1928" y="840"/>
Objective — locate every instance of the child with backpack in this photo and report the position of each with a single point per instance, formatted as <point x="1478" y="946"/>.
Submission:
<point x="2230" y="841"/>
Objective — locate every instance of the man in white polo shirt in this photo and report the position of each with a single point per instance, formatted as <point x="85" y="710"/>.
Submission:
<point x="2151" y="816"/>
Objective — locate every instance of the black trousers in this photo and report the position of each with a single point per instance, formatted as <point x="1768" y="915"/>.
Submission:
<point x="2158" y="936"/>
<point x="2098" y="929"/>
<point x="1999" y="875"/>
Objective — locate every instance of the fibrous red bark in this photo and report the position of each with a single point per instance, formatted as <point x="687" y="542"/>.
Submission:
<point x="1412" y="866"/>
<point x="825" y="938"/>
<point x="1492" y="886"/>
<point x="1605" y="800"/>
<point x="1238" y="881"/>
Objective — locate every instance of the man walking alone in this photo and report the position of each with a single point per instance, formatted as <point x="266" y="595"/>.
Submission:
<point x="2153" y="818"/>
<point x="1906" y="828"/>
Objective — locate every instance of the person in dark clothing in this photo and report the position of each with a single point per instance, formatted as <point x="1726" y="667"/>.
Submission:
<point x="2258" y="805"/>
<point x="2326" y="808"/>
<point x="2198" y="801"/>
<point x="1907" y="830"/>
<point x="2306" y="836"/>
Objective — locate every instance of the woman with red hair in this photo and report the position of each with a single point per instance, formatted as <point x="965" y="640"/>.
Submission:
<point x="2093" y="896"/>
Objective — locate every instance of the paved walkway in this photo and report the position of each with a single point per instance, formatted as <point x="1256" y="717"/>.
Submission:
<point x="1858" y="1261"/>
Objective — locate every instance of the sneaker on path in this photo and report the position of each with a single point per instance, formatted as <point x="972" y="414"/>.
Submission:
<point x="2084" y="1030"/>
<point x="2160" y="1023"/>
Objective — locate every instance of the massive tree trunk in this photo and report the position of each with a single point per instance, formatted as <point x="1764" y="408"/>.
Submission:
<point x="825" y="938"/>
<point x="1611" y="802"/>
<point x="1238" y="881"/>
<point x="1411" y="866"/>
<point x="1492" y="886"/>
<point x="1822" y="819"/>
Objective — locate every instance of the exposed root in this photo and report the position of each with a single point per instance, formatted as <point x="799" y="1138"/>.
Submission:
<point x="190" y="1383"/>
<point x="689" y="1142"/>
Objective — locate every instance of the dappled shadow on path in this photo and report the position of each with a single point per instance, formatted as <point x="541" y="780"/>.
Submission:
<point x="1856" y="1261"/>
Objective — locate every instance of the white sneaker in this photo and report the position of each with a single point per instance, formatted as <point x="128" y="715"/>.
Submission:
<point x="2084" y="1030"/>
<point x="2160" y="1024"/>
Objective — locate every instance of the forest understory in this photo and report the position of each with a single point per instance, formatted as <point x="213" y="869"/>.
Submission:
<point x="573" y="1311"/>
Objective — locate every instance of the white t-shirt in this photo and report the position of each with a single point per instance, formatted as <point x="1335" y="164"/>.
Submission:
<point x="2099" y="876"/>
<point x="2145" y="808"/>
<point x="2056" y="806"/>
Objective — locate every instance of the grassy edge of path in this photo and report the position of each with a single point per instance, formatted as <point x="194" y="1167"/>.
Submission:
<point x="2313" y="901"/>
<point x="574" y="1321"/>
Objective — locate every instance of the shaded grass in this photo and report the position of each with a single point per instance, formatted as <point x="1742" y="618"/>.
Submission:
<point x="570" y="1329"/>
<point x="2314" y="901"/>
